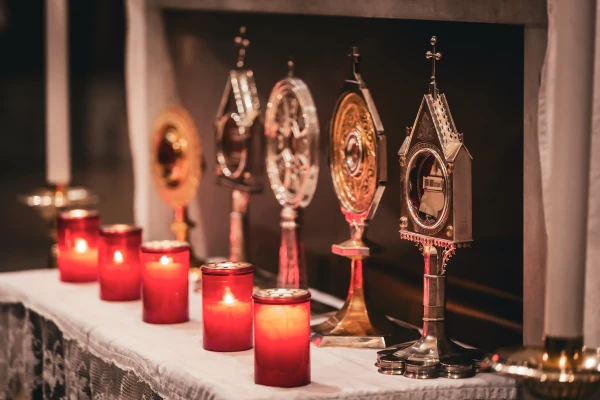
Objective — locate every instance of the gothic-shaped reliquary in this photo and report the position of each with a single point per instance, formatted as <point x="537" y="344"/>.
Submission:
<point x="435" y="175"/>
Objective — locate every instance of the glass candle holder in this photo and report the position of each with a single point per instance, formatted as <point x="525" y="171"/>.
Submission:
<point x="77" y="245"/>
<point x="119" y="262"/>
<point x="227" y="306"/>
<point x="165" y="269"/>
<point x="282" y="337"/>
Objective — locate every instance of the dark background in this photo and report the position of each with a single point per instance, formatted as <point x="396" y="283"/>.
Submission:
<point x="481" y="74"/>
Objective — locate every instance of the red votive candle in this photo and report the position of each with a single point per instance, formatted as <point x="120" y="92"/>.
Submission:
<point x="282" y="337"/>
<point x="119" y="262"/>
<point x="165" y="269"/>
<point x="227" y="306"/>
<point x="77" y="243"/>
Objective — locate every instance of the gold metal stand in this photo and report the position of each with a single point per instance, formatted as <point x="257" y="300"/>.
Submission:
<point x="562" y="369"/>
<point x="48" y="202"/>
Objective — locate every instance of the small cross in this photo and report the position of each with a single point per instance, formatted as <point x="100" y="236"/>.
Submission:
<point x="355" y="60"/>
<point x="242" y="43"/>
<point x="290" y="64"/>
<point x="434" y="57"/>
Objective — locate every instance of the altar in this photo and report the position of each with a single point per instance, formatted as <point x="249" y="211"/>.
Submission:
<point x="59" y="341"/>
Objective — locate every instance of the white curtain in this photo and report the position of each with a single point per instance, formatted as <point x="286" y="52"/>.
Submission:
<point x="545" y="132"/>
<point x="150" y="85"/>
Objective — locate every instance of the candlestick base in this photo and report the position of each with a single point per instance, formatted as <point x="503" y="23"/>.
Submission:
<point x="49" y="201"/>
<point x="562" y="369"/>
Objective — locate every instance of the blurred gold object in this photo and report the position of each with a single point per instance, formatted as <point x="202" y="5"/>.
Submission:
<point x="48" y="202"/>
<point x="176" y="168"/>
<point x="562" y="369"/>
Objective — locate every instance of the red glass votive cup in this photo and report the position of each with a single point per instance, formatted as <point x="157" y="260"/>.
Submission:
<point x="77" y="244"/>
<point x="119" y="262"/>
<point x="165" y="269"/>
<point x="282" y="337"/>
<point x="227" y="306"/>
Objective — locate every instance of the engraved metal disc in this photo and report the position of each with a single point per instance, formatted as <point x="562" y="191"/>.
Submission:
<point x="353" y="154"/>
<point x="176" y="157"/>
<point x="292" y="131"/>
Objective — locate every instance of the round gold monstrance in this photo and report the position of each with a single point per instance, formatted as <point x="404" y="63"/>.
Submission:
<point x="176" y="157"/>
<point x="353" y="151"/>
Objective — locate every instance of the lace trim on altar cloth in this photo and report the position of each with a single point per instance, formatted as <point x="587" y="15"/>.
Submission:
<point x="38" y="362"/>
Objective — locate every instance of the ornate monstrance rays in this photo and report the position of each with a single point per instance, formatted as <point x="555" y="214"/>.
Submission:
<point x="436" y="215"/>
<point x="238" y="130"/>
<point x="292" y="132"/>
<point x="358" y="170"/>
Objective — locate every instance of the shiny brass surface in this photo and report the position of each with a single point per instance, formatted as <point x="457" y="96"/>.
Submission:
<point x="176" y="169"/>
<point x="352" y="320"/>
<point x="436" y="215"/>
<point x="48" y="202"/>
<point x="562" y="369"/>
<point x="358" y="167"/>
<point x="354" y="154"/>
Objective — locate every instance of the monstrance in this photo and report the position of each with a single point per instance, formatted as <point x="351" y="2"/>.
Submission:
<point x="177" y="168"/>
<point x="357" y="160"/>
<point x="435" y="214"/>
<point x="292" y="133"/>
<point x="238" y="135"/>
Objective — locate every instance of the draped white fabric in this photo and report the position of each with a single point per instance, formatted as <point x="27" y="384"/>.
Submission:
<point x="545" y="134"/>
<point x="108" y="349"/>
<point x="150" y="86"/>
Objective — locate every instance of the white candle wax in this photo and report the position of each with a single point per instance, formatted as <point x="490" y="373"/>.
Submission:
<point x="570" y="72"/>
<point x="58" y="156"/>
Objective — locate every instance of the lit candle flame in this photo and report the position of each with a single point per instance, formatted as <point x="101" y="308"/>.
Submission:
<point x="228" y="297"/>
<point x="164" y="260"/>
<point x="118" y="257"/>
<point x="81" y="246"/>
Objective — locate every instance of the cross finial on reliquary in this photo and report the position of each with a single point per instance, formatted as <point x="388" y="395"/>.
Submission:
<point x="434" y="56"/>
<point x="242" y="43"/>
<point x="355" y="55"/>
<point x="290" y="65"/>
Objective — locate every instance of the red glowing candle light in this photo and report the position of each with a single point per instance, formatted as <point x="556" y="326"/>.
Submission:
<point x="77" y="243"/>
<point x="165" y="269"/>
<point x="227" y="306"/>
<point x="282" y="337"/>
<point x="119" y="262"/>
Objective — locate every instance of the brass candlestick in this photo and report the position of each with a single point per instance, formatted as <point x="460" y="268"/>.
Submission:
<point x="562" y="369"/>
<point x="177" y="169"/>
<point x="238" y="130"/>
<point x="48" y="202"/>
<point x="357" y="160"/>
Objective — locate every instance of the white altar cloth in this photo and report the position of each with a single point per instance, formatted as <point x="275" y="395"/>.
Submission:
<point x="170" y="358"/>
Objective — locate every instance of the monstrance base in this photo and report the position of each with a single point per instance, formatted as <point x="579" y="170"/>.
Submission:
<point x="431" y="357"/>
<point x="354" y="329"/>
